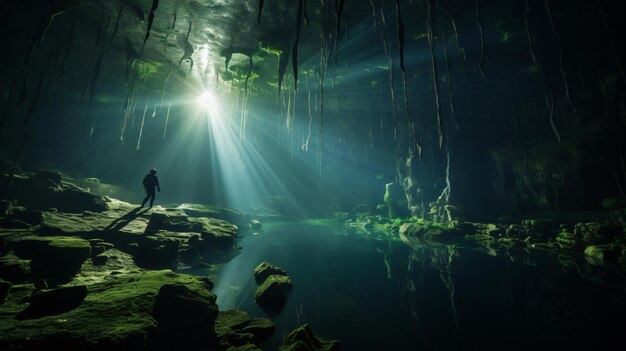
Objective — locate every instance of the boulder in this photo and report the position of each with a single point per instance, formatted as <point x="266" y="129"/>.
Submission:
<point x="237" y="328"/>
<point x="13" y="268"/>
<point x="568" y="240"/>
<point x="598" y="233"/>
<point x="215" y="233"/>
<point x="271" y="295"/>
<point x="303" y="338"/>
<point x="4" y="290"/>
<point x="53" y="257"/>
<point x="186" y="317"/>
<point x="53" y="302"/>
<point x="599" y="255"/>
<point x="157" y="250"/>
<point x="264" y="270"/>
<point x="255" y="225"/>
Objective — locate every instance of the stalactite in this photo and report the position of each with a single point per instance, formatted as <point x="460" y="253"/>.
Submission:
<point x="339" y="4"/>
<point x="305" y="15"/>
<point x="169" y="74"/>
<point x="167" y="118"/>
<point x="22" y="95"/>
<point x="95" y="75"/>
<point x="98" y="36"/>
<point x="431" y="39"/>
<point x="36" y="97"/>
<point x="481" y="64"/>
<point x="374" y="15"/>
<point x="169" y="31"/>
<point x="611" y="40"/>
<point x="550" y="102"/>
<point x="69" y="43"/>
<point x="250" y="67"/>
<point x="454" y="28"/>
<point x="323" y="62"/>
<point x="449" y="74"/>
<point x="410" y="122"/>
<point x="143" y="121"/>
<point x="93" y="126"/>
<point x="155" y="5"/>
<point x="261" y="3"/>
<point x="558" y="40"/>
<point x="11" y="13"/>
<point x="117" y="22"/>
<point x="528" y="35"/>
<point x="5" y="110"/>
<point x="128" y="103"/>
<point x="296" y="44"/>
<point x="282" y="67"/>
<point x="188" y="50"/>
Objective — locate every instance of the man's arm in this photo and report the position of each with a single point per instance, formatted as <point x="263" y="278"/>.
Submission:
<point x="157" y="184"/>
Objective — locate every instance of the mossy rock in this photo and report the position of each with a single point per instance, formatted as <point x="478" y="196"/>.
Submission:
<point x="13" y="268"/>
<point x="568" y="240"/>
<point x="237" y="328"/>
<point x="599" y="255"/>
<point x="116" y="314"/>
<point x="53" y="302"/>
<point x="4" y="290"/>
<point x="271" y="295"/>
<point x="303" y="338"/>
<point x="264" y="270"/>
<point x="53" y="256"/>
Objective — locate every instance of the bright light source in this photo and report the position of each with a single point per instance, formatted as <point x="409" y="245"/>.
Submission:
<point x="206" y="100"/>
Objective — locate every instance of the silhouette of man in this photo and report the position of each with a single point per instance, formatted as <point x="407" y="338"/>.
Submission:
<point x="150" y="181"/>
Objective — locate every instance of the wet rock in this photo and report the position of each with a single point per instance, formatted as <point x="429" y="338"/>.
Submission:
<point x="568" y="240"/>
<point x="271" y="295"/>
<point x="264" y="270"/>
<point x="599" y="255"/>
<point x="13" y="268"/>
<point x="158" y="250"/>
<point x="598" y="233"/>
<point x="190" y="255"/>
<point x="116" y="315"/>
<point x="53" y="257"/>
<point x="303" y="338"/>
<point x="4" y="290"/>
<point x="186" y="317"/>
<point x="26" y="216"/>
<point x="40" y="284"/>
<point x="5" y="207"/>
<point x="215" y="233"/>
<point x="53" y="302"/>
<point x="99" y="260"/>
<point x="237" y="328"/>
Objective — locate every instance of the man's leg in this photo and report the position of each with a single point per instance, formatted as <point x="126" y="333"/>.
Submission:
<point x="152" y="196"/>
<point x="145" y="200"/>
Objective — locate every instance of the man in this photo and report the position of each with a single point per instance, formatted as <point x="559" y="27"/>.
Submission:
<point x="150" y="181"/>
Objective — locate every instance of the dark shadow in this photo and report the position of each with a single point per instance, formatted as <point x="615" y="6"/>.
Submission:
<point x="125" y="219"/>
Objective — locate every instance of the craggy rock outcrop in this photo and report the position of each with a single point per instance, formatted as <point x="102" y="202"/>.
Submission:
<point x="274" y="282"/>
<point x="215" y="233"/>
<point x="45" y="189"/>
<point x="303" y="338"/>
<point x="237" y="328"/>
<point x="13" y="268"/>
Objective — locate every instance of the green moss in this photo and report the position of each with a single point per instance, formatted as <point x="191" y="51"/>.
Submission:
<point x="116" y="309"/>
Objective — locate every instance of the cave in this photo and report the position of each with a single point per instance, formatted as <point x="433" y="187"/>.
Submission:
<point x="312" y="174"/>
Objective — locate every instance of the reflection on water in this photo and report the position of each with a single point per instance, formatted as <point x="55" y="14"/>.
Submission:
<point x="387" y="295"/>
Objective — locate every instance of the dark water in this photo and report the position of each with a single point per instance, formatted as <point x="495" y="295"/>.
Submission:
<point x="384" y="295"/>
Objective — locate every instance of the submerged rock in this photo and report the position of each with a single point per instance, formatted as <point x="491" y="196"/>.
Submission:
<point x="271" y="294"/>
<point x="264" y="270"/>
<point x="303" y="338"/>
<point x="599" y="255"/>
